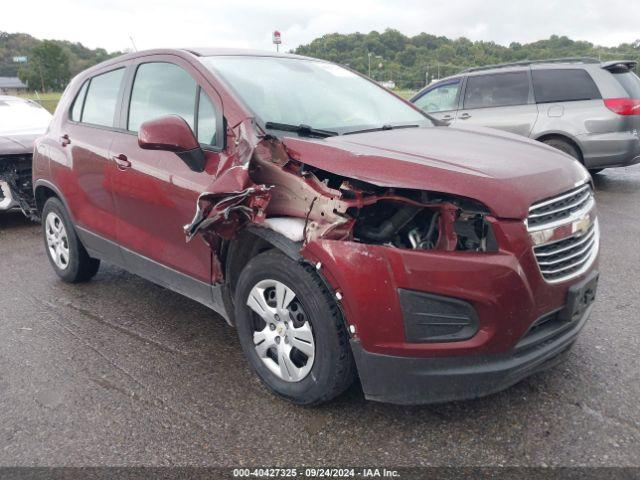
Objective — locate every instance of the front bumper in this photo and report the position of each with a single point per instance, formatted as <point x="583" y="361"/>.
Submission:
<point x="7" y="201"/>
<point x="411" y="381"/>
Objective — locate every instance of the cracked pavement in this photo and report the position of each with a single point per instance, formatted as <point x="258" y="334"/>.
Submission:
<point x="119" y="371"/>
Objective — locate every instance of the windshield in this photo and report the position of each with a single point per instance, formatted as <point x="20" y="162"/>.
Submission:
<point x="313" y="93"/>
<point x="18" y="116"/>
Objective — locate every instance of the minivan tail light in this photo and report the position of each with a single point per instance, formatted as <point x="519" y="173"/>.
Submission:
<point x="623" y="106"/>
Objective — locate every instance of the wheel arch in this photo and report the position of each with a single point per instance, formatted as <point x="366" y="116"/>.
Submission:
<point x="565" y="138"/>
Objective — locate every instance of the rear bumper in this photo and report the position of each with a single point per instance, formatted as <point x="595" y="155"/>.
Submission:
<point x="618" y="149"/>
<point x="411" y="381"/>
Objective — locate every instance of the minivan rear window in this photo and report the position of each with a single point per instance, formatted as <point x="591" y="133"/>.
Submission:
<point x="497" y="90"/>
<point x="563" y="85"/>
<point x="630" y="82"/>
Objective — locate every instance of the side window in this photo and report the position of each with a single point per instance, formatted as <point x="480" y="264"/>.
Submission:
<point x="440" y="99"/>
<point x="102" y="98"/>
<point x="161" y="89"/>
<point x="207" y="120"/>
<point x="78" y="103"/>
<point x="497" y="90"/>
<point x="563" y="85"/>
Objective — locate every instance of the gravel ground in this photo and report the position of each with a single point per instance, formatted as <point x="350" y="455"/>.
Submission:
<point x="122" y="372"/>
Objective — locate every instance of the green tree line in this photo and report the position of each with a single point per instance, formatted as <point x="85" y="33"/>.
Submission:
<point x="413" y="61"/>
<point x="50" y="63"/>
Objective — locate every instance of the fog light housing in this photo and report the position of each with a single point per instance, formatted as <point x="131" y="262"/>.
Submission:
<point x="435" y="318"/>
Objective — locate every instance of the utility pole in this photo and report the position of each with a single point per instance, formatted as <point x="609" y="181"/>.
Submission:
<point x="369" y="55"/>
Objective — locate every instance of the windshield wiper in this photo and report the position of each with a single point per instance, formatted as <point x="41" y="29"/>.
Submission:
<point x="383" y="127"/>
<point x="302" y="129"/>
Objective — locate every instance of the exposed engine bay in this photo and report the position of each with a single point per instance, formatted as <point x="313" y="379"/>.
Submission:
<point x="265" y="181"/>
<point x="15" y="171"/>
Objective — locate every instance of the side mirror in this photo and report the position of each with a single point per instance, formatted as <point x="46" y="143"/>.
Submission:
<point x="172" y="133"/>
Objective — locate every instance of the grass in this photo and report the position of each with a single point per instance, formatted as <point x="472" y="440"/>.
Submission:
<point x="47" y="100"/>
<point x="405" y="93"/>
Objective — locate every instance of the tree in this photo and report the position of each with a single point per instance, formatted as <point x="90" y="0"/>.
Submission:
<point x="47" y="67"/>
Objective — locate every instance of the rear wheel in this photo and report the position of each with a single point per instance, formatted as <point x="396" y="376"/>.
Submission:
<point x="563" y="146"/>
<point x="66" y="254"/>
<point x="569" y="149"/>
<point x="291" y="330"/>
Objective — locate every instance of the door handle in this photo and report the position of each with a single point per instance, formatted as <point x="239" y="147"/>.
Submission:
<point x="464" y="116"/>
<point x="447" y="117"/>
<point x="65" y="140"/>
<point x="122" y="161"/>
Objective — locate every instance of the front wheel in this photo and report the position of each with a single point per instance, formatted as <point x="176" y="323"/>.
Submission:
<point x="291" y="330"/>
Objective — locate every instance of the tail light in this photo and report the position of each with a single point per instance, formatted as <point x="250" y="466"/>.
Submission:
<point x="623" y="106"/>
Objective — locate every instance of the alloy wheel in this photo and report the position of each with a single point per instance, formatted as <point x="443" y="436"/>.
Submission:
<point x="57" y="240"/>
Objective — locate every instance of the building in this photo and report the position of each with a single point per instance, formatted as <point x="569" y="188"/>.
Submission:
<point x="11" y="85"/>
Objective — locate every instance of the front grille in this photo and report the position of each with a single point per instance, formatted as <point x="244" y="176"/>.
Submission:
<point x="560" y="207"/>
<point x="568" y="257"/>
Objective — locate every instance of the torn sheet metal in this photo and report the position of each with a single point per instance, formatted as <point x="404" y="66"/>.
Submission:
<point x="227" y="212"/>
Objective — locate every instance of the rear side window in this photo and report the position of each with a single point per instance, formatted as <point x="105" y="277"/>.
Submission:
<point x="441" y="98"/>
<point x="161" y="89"/>
<point x="497" y="90"/>
<point x="78" y="103"/>
<point x="102" y="98"/>
<point x="559" y="85"/>
<point x="630" y="82"/>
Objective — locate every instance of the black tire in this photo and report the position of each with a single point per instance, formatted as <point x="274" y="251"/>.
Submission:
<point x="564" y="146"/>
<point x="333" y="370"/>
<point x="80" y="266"/>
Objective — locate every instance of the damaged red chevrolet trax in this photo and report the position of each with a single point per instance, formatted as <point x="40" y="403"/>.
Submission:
<point x="338" y="228"/>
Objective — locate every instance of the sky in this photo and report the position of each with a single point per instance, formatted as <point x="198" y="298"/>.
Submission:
<point x="112" y="24"/>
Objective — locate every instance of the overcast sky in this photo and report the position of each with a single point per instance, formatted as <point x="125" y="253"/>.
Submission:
<point x="249" y="23"/>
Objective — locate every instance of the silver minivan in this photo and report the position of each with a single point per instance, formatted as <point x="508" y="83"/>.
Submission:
<point x="586" y="108"/>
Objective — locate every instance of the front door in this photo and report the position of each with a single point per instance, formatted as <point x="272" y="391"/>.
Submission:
<point x="155" y="191"/>
<point x="441" y="101"/>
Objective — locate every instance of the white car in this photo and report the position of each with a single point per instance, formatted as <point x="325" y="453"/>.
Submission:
<point x="21" y="122"/>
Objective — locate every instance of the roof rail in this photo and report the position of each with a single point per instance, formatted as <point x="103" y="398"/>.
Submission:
<point x="524" y="63"/>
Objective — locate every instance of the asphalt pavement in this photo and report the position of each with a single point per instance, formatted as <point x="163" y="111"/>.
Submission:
<point x="119" y="371"/>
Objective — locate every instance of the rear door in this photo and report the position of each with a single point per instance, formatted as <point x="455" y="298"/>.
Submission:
<point x="155" y="192"/>
<point x="499" y="100"/>
<point x="441" y="100"/>
<point x="85" y="139"/>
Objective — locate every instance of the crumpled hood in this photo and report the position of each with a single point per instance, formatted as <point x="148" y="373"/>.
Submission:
<point x="17" y="144"/>
<point x="505" y="172"/>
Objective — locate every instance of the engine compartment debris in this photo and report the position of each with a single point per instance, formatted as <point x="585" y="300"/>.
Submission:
<point x="265" y="185"/>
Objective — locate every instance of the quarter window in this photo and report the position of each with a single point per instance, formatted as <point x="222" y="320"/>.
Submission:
<point x="563" y="85"/>
<point x="102" y="98"/>
<point x="76" y="111"/>
<point x="497" y="90"/>
<point x="440" y="99"/>
<point x="207" y="122"/>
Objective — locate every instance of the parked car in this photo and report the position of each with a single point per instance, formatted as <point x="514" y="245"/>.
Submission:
<point x="21" y="122"/>
<point x="583" y="107"/>
<point x="339" y="229"/>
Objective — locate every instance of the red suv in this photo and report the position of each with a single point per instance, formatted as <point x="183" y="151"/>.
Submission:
<point x="341" y="230"/>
